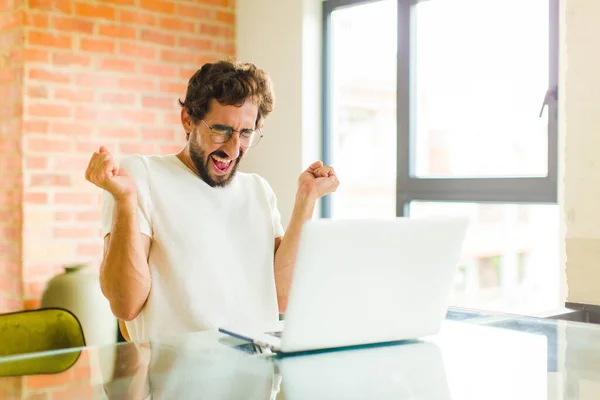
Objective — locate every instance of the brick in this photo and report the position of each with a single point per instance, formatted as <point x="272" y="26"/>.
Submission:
<point x="196" y="44"/>
<point x="33" y="162"/>
<point x="87" y="216"/>
<point x="97" y="46"/>
<point x="48" y="110"/>
<point x="63" y="59"/>
<point x="8" y="305"/>
<point x="165" y="103"/>
<point x="35" y="288"/>
<point x="121" y="2"/>
<point x="15" y="54"/>
<point x="121" y="98"/>
<point x="10" y="21"/>
<point x="117" y="31"/>
<point x="169" y="149"/>
<point x="225" y="16"/>
<point x="118" y="65"/>
<point x="165" y="39"/>
<point x="195" y="12"/>
<point x="10" y="197"/>
<point x="78" y="95"/>
<point x="9" y="162"/>
<point x="158" y="134"/>
<point x="11" y="111"/>
<point x="175" y="88"/>
<point x="68" y="128"/>
<point x="220" y="3"/>
<point x="89" y="249"/>
<point x="63" y="6"/>
<point x="36" y="55"/>
<point x="217" y="31"/>
<point x="84" y="9"/>
<point x="50" y="180"/>
<point x="10" y="76"/>
<point x="82" y="392"/>
<point x="74" y="198"/>
<point x="177" y="24"/>
<point x="119" y="133"/>
<point x="33" y="304"/>
<point x="48" y="381"/>
<point x="44" y="75"/>
<point x="35" y="198"/>
<point x="137" y="17"/>
<point x="88" y="114"/>
<point x="10" y="285"/>
<point x="225" y="48"/>
<point x="137" y="51"/>
<point x="10" y="232"/>
<point x="138" y="116"/>
<point x="72" y="24"/>
<point x="172" y="118"/>
<point x="137" y="148"/>
<point x="36" y="20"/>
<point x="56" y="40"/>
<point x="9" y="217"/>
<point x="48" y="145"/>
<point x="74" y="233"/>
<point x="37" y="92"/>
<point x="95" y="80"/>
<point x="166" y="7"/>
<point x="83" y="373"/>
<point x="186" y="73"/>
<point x="91" y="146"/>
<point x="62" y="216"/>
<point x="70" y="163"/>
<point x="179" y="57"/>
<point x="137" y="84"/>
<point x="158" y="70"/>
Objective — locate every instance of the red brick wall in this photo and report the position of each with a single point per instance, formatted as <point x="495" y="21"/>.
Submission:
<point x="11" y="187"/>
<point x="95" y="72"/>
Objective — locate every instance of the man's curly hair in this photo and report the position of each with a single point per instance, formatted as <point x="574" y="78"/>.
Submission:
<point x="229" y="83"/>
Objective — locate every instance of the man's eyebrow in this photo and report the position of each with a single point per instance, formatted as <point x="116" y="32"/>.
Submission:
<point x="230" y="127"/>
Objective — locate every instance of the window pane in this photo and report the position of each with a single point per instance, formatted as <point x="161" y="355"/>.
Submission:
<point x="482" y="70"/>
<point x="510" y="256"/>
<point x="363" y="90"/>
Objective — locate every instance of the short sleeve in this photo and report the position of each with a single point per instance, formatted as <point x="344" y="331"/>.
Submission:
<point x="138" y="168"/>
<point x="275" y="215"/>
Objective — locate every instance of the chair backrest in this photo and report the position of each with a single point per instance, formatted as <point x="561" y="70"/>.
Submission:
<point x="34" y="331"/>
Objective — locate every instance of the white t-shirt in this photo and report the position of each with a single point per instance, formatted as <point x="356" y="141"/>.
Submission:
<point x="212" y="251"/>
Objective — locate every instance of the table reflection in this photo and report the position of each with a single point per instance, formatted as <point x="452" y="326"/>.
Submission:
<point x="488" y="357"/>
<point x="406" y="370"/>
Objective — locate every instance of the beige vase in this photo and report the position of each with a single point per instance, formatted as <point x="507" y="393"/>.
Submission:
<point x="78" y="290"/>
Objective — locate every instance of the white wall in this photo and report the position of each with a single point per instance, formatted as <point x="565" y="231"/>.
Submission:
<point x="579" y="115"/>
<point x="283" y="37"/>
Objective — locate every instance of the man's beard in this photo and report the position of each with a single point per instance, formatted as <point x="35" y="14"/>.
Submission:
<point x="201" y="163"/>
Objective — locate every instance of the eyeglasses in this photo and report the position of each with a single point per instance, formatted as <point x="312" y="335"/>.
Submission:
<point x="222" y="133"/>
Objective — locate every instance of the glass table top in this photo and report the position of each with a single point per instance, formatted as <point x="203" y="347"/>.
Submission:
<point x="475" y="356"/>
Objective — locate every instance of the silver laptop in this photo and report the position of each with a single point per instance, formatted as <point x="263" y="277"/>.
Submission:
<point x="362" y="281"/>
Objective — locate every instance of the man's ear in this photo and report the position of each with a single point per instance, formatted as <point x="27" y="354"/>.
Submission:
<point x="186" y="121"/>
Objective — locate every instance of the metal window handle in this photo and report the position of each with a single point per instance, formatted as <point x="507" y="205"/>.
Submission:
<point x="551" y="95"/>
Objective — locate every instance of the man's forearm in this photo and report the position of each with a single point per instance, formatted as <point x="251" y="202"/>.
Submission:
<point x="124" y="273"/>
<point x="285" y="257"/>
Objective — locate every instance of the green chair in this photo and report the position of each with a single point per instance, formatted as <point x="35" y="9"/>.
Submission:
<point x="26" y="334"/>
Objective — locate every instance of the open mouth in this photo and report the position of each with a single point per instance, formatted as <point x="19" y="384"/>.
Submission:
<point x="222" y="165"/>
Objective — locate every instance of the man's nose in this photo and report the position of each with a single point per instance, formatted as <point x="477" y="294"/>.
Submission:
<point x="232" y="146"/>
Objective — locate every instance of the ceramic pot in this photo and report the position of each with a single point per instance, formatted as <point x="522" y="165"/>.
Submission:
<point x="78" y="290"/>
